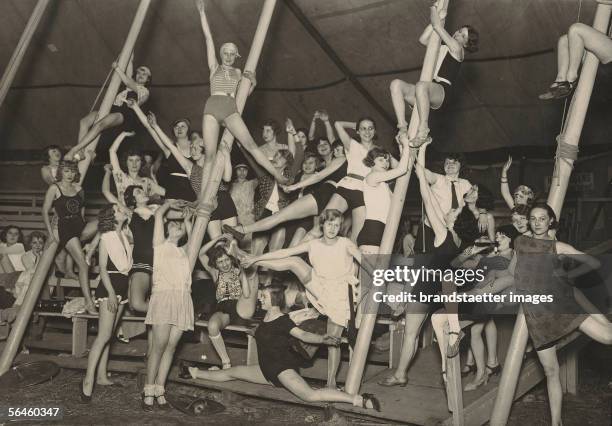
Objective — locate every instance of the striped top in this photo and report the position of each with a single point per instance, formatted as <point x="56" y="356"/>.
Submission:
<point x="224" y="80"/>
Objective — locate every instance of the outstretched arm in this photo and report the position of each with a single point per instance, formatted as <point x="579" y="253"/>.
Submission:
<point x="505" y="188"/>
<point x="588" y="262"/>
<point x="374" y="178"/>
<point x="106" y="186"/>
<point x="313" y="338"/>
<point x="312" y="130"/>
<point x="112" y="152"/>
<point x="329" y="131"/>
<point x="158" y="230"/>
<point x="169" y="146"/>
<point x="126" y="79"/>
<point x="453" y="45"/>
<point x="210" y="45"/>
<point x="317" y="177"/>
<point x="424" y="39"/>
<point x="291" y="135"/>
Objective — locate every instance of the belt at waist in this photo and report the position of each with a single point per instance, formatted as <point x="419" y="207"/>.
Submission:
<point x="231" y="95"/>
<point x="354" y="176"/>
<point x="179" y="175"/>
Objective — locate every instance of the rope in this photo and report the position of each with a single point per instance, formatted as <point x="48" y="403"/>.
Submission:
<point x="566" y="153"/>
<point x="93" y="106"/>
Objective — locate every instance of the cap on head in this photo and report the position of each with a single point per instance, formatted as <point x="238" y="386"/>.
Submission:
<point x="230" y="46"/>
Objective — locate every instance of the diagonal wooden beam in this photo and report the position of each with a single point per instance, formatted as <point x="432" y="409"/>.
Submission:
<point x="348" y="74"/>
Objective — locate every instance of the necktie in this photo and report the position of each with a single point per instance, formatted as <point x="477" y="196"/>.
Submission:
<point x="455" y="200"/>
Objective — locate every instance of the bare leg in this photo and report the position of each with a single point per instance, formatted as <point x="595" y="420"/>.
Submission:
<point x="478" y="349"/>
<point x="298" y="386"/>
<point x="210" y="130"/>
<point x="300" y="208"/>
<point x="160" y="334"/>
<point x="298" y="236"/>
<point x="358" y="216"/>
<point x="102" y="376"/>
<point x="416" y="313"/>
<point x="76" y="251"/>
<point x="105" y="330"/>
<point x="218" y="321"/>
<point x="111" y="120"/>
<point x="402" y="92"/>
<point x="277" y="240"/>
<point x="490" y="330"/>
<point x="428" y="94"/>
<point x="86" y="122"/>
<point x="581" y="37"/>
<point x="214" y="229"/>
<point x="236" y="126"/>
<point x="166" y="359"/>
<point x="548" y="359"/>
<point x="337" y="202"/>
<point x="596" y="330"/>
<point x="140" y="283"/>
<point x="562" y="58"/>
<point x="247" y="373"/>
<point x="294" y="264"/>
<point x="334" y="354"/>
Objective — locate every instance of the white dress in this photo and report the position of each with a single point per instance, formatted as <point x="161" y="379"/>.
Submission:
<point x="332" y="274"/>
<point x="170" y="301"/>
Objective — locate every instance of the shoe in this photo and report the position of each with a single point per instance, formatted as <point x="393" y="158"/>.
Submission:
<point x="472" y="386"/>
<point x="235" y="233"/>
<point x="184" y="371"/>
<point x="453" y="350"/>
<point x="471" y="368"/>
<point x="550" y="93"/>
<point x="144" y="405"/>
<point x="368" y="397"/>
<point x="418" y="141"/>
<point x="494" y="371"/>
<point x="164" y="405"/>
<point x="564" y="89"/>
<point x="85" y="399"/>
<point x="122" y="339"/>
<point x="391" y="381"/>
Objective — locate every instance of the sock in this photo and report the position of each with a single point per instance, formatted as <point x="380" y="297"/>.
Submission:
<point x="219" y="345"/>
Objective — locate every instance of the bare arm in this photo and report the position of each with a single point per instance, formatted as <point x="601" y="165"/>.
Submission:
<point x="147" y="122"/>
<point x="505" y="188"/>
<point x="106" y="187"/>
<point x="317" y="177"/>
<point x="588" y="262"/>
<point x="329" y="131"/>
<point x="169" y="146"/>
<point x="126" y="79"/>
<point x="345" y="138"/>
<point x="436" y="22"/>
<point x="211" y="54"/>
<point x="374" y="178"/>
<point x="291" y="135"/>
<point x="312" y="130"/>
<point x="46" y="175"/>
<point x="158" y="230"/>
<point x="114" y="159"/>
<point x="278" y="254"/>
<point x="246" y="288"/>
<point x="47" y="204"/>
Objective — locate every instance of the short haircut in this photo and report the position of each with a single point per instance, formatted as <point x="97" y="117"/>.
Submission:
<point x="217" y="253"/>
<point x="270" y="122"/>
<point x="36" y="234"/>
<point x="9" y="227"/>
<point x="72" y="165"/>
<point x="277" y="295"/>
<point x="330" y="214"/>
<point x="473" y="39"/>
<point x="128" y="196"/>
<point x="375" y="153"/>
<point x="551" y="213"/>
<point x="106" y="219"/>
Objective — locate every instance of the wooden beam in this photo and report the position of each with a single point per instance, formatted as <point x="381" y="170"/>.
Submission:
<point x="331" y="53"/>
<point x="22" y="47"/>
<point x="370" y="307"/>
<point x="558" y="188"/>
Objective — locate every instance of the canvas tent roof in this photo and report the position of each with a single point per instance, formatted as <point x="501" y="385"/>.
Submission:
<point x="494" y="105"/>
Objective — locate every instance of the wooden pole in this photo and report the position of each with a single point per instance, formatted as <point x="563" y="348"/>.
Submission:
<point x="370" y="307"/>
<point x="209" y="189"/>
<point x="556" y="196"/>
<point x="20" y="50"/>
<point x="42" y="270"/>
<point x="115" y="81"/>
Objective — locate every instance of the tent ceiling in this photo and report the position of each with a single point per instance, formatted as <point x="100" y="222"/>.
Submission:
<point x="495" y="103"/>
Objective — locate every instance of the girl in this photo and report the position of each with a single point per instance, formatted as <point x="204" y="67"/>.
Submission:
<point x="377" y="195"/>
<point x="221" y="106"/>
<point x="170" y="310"/>
<point x="523" y="195"/>
<point x="49" y="171"/>
<point x="349" y="191"/>
<point x="29" y="260"/>
<point x="537" y="269"/>
<point x="479" y="200"/>
<point x="115" y="260"/>
<point x="67" y="199"/>
<point x="431" y="94"/>
<point x="134" y="162"/>
<point x="233" y="294"/>
<point x="451" y="231"/>
<point x="11" y="249"/>
<point x="327" y="282"/>
<point x="243" y="194"/>
<point x="570" y="50"/>
<point x="278" y="364"/>
<point x="312" y="203"/>
<point x="520" y="219"/>
<point x="91" y="125"/>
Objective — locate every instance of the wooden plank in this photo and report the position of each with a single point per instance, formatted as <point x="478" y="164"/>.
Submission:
<point x="79" y="336"/>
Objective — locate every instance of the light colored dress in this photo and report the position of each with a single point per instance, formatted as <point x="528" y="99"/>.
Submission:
<point x="170" y="301"/>
<point x="243" y="194"/>
<point x="332" y="273"/>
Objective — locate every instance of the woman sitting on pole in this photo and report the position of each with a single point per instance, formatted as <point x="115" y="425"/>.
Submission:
<point x="328" y="282"/>
<point x="120" y="114"/>
<point x="115" y="255"/>
<point x="221" y="107"/>
<point x="432" y="94"/>
<point x="571" y="48"/>
<point x="278" y="363"/>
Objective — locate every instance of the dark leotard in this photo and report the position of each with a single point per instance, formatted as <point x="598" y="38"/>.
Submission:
<point x="70" y="222"/>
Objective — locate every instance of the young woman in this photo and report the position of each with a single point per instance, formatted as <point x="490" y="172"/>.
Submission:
<point x="134" y="162"/>
<point x="377" y="195"/>
<point x="29" y="260"/>
<point x="537" y="270"/>
<point x="91" y="125"/>
<point x="349" y="191"/>
<point x="115" y="256"/>
<point x="327" y="282"/>
<point x="67" y="198"/>
<point x="477" y="200"/>
<point x="221" y="107"/>
<point x="11" y="253"/>
<point x="235" y="298"/>
<point x="311" y="203"/>
<point x="48" y="172"/>
<point x="570" y="50"/>
<point x="522" y="195"/>
<point x="278" y="364"/>
<point x="170" y="310"/>
<point x="432" y="94"/>
<point x="243" y="194"/>
<point x="451" y="231"/>
<point x="520" y="218"/>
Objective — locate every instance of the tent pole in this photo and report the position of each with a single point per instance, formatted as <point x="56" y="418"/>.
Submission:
<point x="115" y="81"/>
<point x="370" y="307"/>
<point x="42" y="270"/>
<point x="20" y="50"/>
<point x="209" y="189"/>
<point x="556" y="196"/>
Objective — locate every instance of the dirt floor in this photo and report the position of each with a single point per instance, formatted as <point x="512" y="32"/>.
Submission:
<point x="121" y="405"/>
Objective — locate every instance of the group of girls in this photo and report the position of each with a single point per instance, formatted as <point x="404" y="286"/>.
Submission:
<point x="142" y="246"/>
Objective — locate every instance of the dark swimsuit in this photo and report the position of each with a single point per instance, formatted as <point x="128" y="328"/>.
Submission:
<point x="70" y="223"/>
